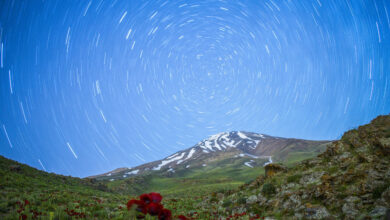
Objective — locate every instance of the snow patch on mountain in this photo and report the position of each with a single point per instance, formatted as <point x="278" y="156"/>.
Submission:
<point x="134" y="172"/>
<point x="249" y="164"/>
<point x="165" y="162"/>
<point x="192" y="151"/>
<point x="215" y="143"/>
<point x="241" y="135"/>
<point x="269" y="160"/>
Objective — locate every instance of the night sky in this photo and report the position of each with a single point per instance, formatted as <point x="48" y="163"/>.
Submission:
<point x="90" y="86"/>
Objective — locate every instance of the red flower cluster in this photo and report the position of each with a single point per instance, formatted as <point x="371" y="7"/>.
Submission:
<point x="22" y="206"/>
<point x="151" y="204"/>
<point x="74" y="213"/>
<point x="22" y="211"/>
<point x="36" y="214"/>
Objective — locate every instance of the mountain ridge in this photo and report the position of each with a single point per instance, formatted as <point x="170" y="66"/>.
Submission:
<point x="222" y="145"/>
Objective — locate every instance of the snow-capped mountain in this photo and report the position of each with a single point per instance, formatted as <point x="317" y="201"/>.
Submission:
<point x="255" y="149"/>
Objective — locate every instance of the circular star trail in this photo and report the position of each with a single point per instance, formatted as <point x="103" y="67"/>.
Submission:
<point x="89" y="86"/>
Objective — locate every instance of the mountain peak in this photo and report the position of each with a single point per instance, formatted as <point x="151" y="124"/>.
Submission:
<point x="248" y="149"/>
<point x="225" y="140"/>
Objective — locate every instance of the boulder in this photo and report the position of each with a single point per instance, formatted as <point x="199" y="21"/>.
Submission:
<point x="272" y="168"/>
<point x="311" y="178"/>
<point x="251" y="199"/>
<point x="384" y="145"/>
<point x="378" y="212"/>
<point x="292" y="202"/>
<point x="316" y="212"/>
<point x="349" y="209"/>
<point x="261" y="199"/>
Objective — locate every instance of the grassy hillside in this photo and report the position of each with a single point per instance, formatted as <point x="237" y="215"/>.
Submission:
<point x="38" y="193"/>
<point x="219" y="175"/>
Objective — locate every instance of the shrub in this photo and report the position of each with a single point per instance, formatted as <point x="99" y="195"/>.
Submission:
<point x="268" y="189"/>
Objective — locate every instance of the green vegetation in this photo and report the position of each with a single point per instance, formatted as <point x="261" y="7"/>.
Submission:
<point x="349" y="179"/>
<point x="200" y="180"/>
<point x="60" y="197"/>
<point x="268" y="189"/>
<point x="295" y="157"/>
<point x="51" y="194"/>
<point x="294" y="178"/>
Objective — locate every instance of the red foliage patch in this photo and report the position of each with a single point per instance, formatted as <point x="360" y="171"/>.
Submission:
<point x="155" y="197"/>
<point x="151" y="204"/>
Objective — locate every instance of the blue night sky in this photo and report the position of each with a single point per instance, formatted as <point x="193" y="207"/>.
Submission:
<point x="90" y="86"/>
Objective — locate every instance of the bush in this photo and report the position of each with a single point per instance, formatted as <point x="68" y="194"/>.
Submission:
<point x="268" y="189"/>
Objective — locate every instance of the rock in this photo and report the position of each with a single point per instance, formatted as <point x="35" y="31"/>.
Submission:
<point x="261" y="199"/>
<point x="386" y="196"/>
<point x="316" y="212"/>
<point x="349" y="210"/>
<point x="290" y="186"/>
<point x="292" y="202"/>
<point x="298" y="215"/>
<point x="311" y="178"/>
<point x="384" y="145"/>
<point x="352" y="199"/>
<point x="378" y="211"/>
<point x="251" y="199"/>
<point x="305" y="195"/>
<point x="344" y="156"/>
<point x="367" y="199"/>
<point x="272" y="168"/>
<point x="332" y="150"/>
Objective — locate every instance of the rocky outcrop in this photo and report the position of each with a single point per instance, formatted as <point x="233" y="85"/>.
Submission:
<point x="350" y="180"/>
<point x="271" y="169"/>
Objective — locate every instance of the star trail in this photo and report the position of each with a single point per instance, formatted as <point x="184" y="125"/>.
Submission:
<point x="90" y="86"/>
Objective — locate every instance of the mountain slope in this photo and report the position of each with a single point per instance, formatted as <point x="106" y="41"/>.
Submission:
<point x="350" y="180"/>
<point x="256" y="149"/>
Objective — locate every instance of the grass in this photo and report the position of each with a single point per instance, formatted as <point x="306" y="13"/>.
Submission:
<point x="220" y="175"/>
<point x="296" y="157"/>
